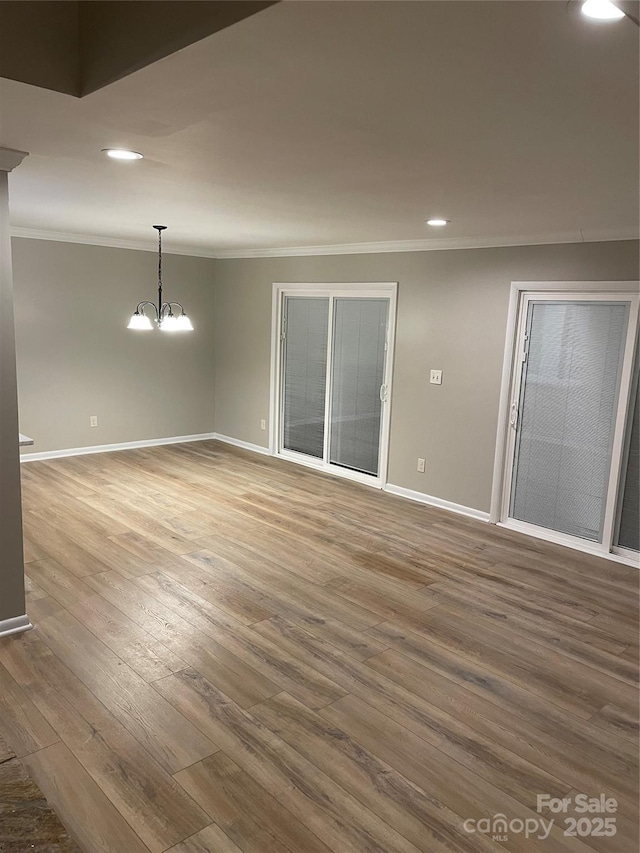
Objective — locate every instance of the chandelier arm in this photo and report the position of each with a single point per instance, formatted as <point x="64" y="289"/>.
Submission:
<point x="146" y="302"/>
<point x="175" y="303"/>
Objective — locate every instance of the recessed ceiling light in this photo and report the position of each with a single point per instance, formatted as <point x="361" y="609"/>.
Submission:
<point x="601" y="10"/>
<point x="438" y="223"/>
<point x="121" y="154"/>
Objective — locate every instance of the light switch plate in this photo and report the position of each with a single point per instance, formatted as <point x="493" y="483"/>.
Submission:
<point x="435" y="377"/>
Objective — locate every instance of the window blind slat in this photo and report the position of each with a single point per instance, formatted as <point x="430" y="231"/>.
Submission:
<point x="568" y="402"/>
<point x="359" y="335"/>
<point x="304" y="374"/>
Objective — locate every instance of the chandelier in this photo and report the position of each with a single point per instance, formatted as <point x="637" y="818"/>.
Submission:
<point x="164" y="317"/>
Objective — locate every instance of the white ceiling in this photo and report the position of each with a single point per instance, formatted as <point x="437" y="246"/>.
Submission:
<point x="316" y="124"/>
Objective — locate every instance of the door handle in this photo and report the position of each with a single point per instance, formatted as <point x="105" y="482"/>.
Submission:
<point x="513" y="417"/>
<point x="383" y="393"/>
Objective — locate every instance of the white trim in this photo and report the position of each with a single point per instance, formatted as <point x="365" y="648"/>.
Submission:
<point x="440" y="503"/>
<point x="326" y="288"/>
<point x="10" y="158"/>
<point x="583" y="545"/>
<point x="111" y="242"/>
<point x="15" y="625"/>
<point x="125" y="445"/>
<point x="335" y="470"/>
<point x="391" y="246"/>
<point x="245" y="445"/>
<point x="628" y="554"/>
<point x="426" y="245"/>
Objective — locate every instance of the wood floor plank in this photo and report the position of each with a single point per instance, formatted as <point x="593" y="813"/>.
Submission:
<point x="88" y="815"/>
<point x="125" y="517"/>
<point x="281" y="590"/>
<point x="236" y="596"/>
<point x="578" y="689"/>
<point x="145" y="652"/>
<point x="473" y="750"/>
<point x="581" y="761"/>
<point x="622" y="630"/>
<point x="144" y="794"/>
<point x="166" y="734"/>
<point x="57" y="545"/>
<point x="223" y="790"/>
<point x="338" y="819"/>
<point x="426" y="822"/>
<point x="388" y="603"/>
<point x="527" y="617"/>
<point x="31" y="589"/>
<point x="32" y="551"/>
<point x="21" y="724"/>
<point x="156" y="602"/>
<point x="141" y="651"/>
<point x="211" y="839"/>
<point x="618" y="721"/>
<point x="282" y="669"/>
<point x="464" y="792"/>
<point x="225" y="661"/>
<point x="596" y="755"/>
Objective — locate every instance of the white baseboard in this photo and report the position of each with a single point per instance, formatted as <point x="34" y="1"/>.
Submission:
<point x="15" y="625"/>
<point x="628" y="558"/>
<point x="125" y="445"/>
<point x="246" y="445"/>
<point x="421" y="498"/>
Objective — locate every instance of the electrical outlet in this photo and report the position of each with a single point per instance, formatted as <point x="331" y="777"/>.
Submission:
<point x="435" y="377"/>
<point x="93" y="420"/>
<point x="263" y="424"/>
<point x="421" y="465"/>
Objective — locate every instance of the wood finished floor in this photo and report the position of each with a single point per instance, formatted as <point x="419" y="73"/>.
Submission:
<point x="232" y="653"/>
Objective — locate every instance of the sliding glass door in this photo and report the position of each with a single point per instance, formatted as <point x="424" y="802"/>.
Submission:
<point x="357" y="383"/>
<point x="570" y="398"/>
<point x="333" y="378"/>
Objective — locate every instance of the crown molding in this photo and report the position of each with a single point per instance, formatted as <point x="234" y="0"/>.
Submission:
<point x="110" y="242"/>
<point x="426" y="245"/>
<point x="10" y="158"/>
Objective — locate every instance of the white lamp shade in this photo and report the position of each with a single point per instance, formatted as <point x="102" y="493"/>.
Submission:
<point x="169" y="323"/>
<point x="140" y="322"/>
<point x="601" y="10"/>
<point x="184" y="324"/>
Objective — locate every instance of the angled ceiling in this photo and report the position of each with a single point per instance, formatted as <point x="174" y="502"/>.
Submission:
<point x="79" y="46"/>
<point x="320" y="124"/>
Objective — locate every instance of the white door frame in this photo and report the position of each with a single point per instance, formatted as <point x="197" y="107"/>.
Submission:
<point x="385" y="290"/>
<point x="511" y="376"/>
<point x="620" y="549"/>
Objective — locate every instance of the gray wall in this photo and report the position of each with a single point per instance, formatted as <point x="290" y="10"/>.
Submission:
<point x="452" y="310"/>
<point x="76" y="357"/>
<point x="12" y="603"/>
